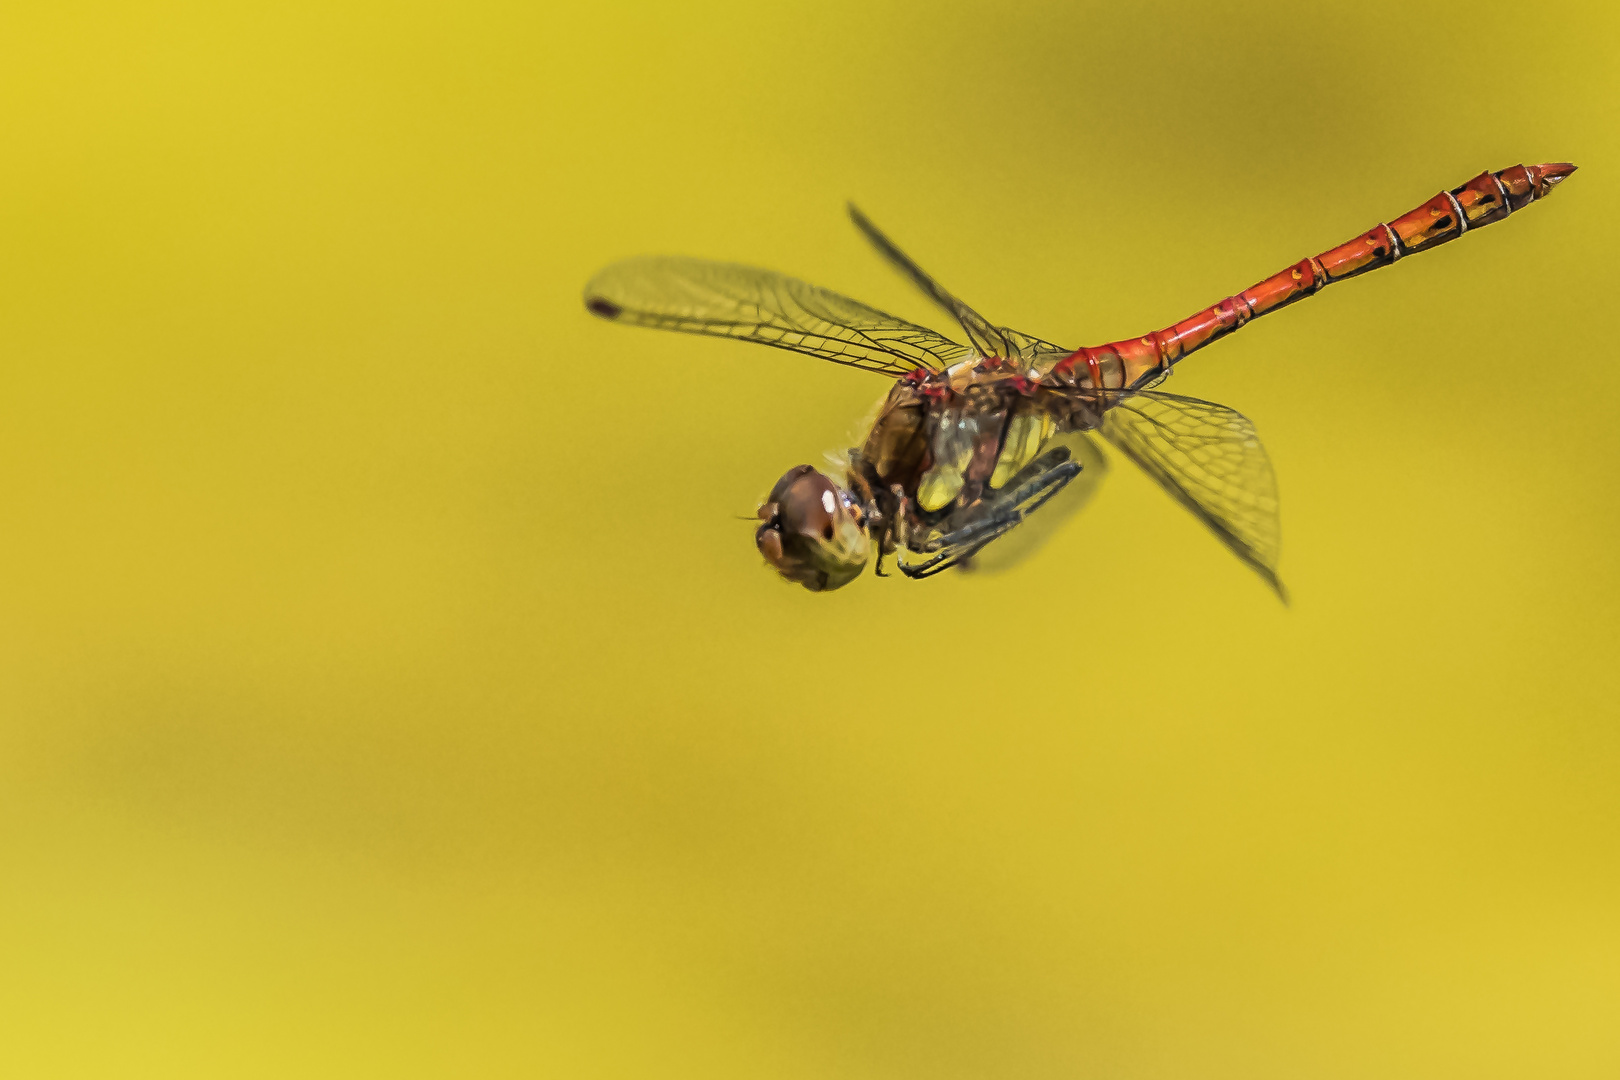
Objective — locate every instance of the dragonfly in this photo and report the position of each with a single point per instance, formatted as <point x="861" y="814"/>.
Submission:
<point x="973" y="438"/>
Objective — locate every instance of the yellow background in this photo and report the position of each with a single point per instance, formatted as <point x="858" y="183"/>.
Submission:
<point x="388" y="689"/>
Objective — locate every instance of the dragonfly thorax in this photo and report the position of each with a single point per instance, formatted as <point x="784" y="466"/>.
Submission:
<point x="946" y="450"/>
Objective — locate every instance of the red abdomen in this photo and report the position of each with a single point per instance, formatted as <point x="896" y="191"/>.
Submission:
<point x="1487" y="198"/>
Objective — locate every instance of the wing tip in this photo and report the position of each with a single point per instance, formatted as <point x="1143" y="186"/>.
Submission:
<point x="602" y="306"/>
<point x="860" y="220"/>
<point x="1277" y="586"/>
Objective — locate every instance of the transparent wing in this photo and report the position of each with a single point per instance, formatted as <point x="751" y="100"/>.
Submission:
<point x="986" y="338"/>
<point x="696" y="296"/>
<point x="1211" y="460"/>
<point x="989" y="340"/>
<point x="1029" y="346"/>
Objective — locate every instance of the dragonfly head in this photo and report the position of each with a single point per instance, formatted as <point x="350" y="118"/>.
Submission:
<point x="813" y="531"/>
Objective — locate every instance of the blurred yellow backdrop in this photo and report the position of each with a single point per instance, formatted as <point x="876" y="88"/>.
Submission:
<point x="388" y="689"/>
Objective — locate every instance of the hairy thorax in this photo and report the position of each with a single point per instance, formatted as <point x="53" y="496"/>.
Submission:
<point x="946" y="440"/>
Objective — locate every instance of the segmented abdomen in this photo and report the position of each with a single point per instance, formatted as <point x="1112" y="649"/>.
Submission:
<point x="1487" y="198"/>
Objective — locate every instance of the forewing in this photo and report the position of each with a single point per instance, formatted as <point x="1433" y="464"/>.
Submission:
<point x="988" y="339"/>
<point x="696" y="296"/>
<point x="1028" y="346"/>
<point x="1211" y="460"/>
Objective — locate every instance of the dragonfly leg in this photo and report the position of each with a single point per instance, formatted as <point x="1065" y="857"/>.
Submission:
<point x="900" y="517"/>
<point x="968" y="540"/>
